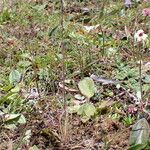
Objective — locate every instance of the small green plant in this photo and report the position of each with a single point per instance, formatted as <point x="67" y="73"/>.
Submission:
<point x="5" y="16"/>
<point x="11" y="120"/>
<point x="115" y="116"/>
<point x="11" y="102"/>
<point x="86" y="110"/>
<point x="128" y="120"/>
<point x="124" y="72"/>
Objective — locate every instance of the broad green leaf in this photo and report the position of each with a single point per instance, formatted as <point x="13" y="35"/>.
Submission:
<point x="14" y="76"/>
<point x="15" y="118"/>
<point x="81" y="110"/>
<point x="140" y="132"/>
<point x="22" y="119"/>
<point x="87" y="87"/>
<point x="12" y="118"/>
<point x="87" y="109"/>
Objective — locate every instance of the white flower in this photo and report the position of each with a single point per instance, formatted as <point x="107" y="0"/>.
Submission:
<point x="140" y="36"/>
<point x="89" y="28"/>
<point x="33" y="94"/>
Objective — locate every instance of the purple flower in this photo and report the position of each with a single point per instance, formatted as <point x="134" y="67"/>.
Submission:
<point x="132" y="109"/>
<point x="146" y="12"/>
<point x="127" y="3"/>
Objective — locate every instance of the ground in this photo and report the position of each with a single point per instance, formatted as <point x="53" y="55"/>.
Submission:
<point x="40" y="94"/>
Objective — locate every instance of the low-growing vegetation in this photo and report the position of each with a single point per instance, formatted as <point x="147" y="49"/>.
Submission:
<point x="75" y="75"/>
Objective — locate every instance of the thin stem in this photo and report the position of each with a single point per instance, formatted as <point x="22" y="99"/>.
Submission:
<point x="140" y="78"/>
<point x="63" y="53"/>
<point x="81" y="56"/>
<point x="103" y="42"/>
<point x="140" y="73"/>
<point x="65" y="125"/>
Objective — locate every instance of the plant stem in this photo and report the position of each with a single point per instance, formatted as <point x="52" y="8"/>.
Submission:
<point x="63" y="53"/>
<point x="65" y="125"/>
<point x="103" y="42"/>
<point x="140" y="78"/>
<point x="140" y="72"/>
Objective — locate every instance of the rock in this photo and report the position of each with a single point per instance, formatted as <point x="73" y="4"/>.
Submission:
<point x="85" y="11"/>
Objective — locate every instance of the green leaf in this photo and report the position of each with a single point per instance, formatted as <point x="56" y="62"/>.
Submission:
<point x="16" y="89"/>
<point x="87" y="110"/>
<point x="33" y="148"/>
<point x="138" y="147"/>
<point x="14" y="76"/>
<point x="87" y="87"/>
<point x="140" y="132"/>
<point x="80" y="110"/>
<point x="12" y="118"/>
<point x="52" y="31"/>
<point x="6" y="97"/>
<point x="15" y="118"/>
<point x="22" y="119"/>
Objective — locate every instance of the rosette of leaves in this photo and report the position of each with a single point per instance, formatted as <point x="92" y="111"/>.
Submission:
<point x="87" y="88"/>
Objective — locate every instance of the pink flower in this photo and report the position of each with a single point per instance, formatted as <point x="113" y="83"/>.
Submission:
<point x="140" y="36"/>
<point x="132" y="109"/>
<point x="146" y="12"/>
